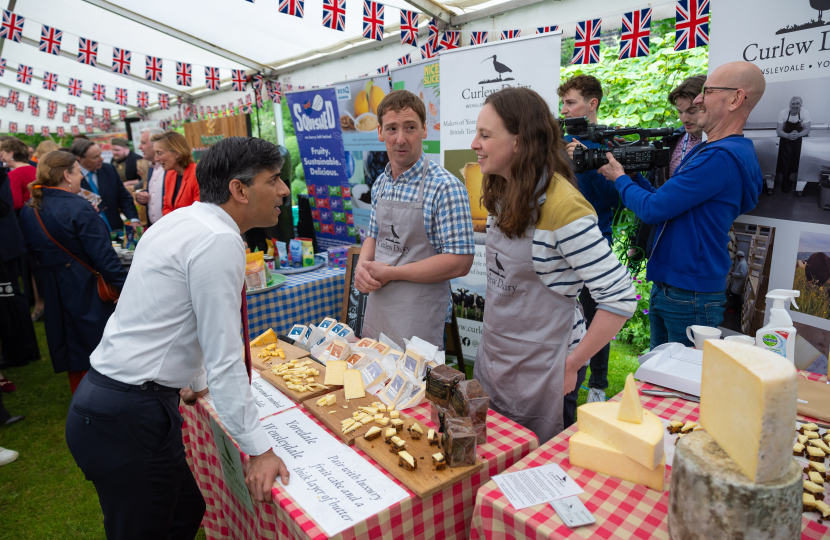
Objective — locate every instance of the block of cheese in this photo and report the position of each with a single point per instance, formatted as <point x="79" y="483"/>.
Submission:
<point x="382" y="348"/>
<point x="395" y="390"/>
<point x="631" y="409"/>
<point x="412" y="362"/>
<point x="353" y="384"/>
<point x="326" y="324"/>
<point x="334" y="372"/>
<point x="748" y="405"/>
<point x="355" y="358"/>
<point x="266" y="337"/>
<point x="297" y="332"/>
<point x="641" y="442"/>
<point x="372" y="374"/>
<point x="589" y="453"/>
<point x="367" y="343"/>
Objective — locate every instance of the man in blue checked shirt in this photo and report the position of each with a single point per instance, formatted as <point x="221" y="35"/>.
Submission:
<point x="420" y="233"/>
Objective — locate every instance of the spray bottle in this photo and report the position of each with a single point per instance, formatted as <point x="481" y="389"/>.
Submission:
<point x="779" y="335"/>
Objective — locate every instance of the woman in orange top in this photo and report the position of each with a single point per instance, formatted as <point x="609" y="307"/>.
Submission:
<point x="180" y="186"/>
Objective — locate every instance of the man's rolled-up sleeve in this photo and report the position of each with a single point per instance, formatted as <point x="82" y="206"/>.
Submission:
<point x="215" y="273"/>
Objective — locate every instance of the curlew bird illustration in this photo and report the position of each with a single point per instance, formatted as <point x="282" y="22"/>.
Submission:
<point x="498" y="66"/>
<point x="498" y="264"/>
<point x="393" y="232"/>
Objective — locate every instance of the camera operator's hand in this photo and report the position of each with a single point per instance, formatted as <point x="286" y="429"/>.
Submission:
<point x="570" y="148"/>
<point x="613" y="169"/>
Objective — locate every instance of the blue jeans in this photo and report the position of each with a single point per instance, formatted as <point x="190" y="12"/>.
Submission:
<point x="671" y="310"/>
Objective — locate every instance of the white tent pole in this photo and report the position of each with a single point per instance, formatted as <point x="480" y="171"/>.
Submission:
<point x="433" y="9"/>
<point x="278" y="122"/>
<point x="187" y="38"/>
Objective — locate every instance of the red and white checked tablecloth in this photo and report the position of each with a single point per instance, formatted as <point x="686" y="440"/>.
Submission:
<point x="445" y="515"/>
<point x="623" y="510"/>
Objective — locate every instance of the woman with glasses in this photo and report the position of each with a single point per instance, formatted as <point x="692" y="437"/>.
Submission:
<point x="793" y="124"/>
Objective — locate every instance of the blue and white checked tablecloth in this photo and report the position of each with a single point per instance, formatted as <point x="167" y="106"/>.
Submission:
<point x="304" y="299"/>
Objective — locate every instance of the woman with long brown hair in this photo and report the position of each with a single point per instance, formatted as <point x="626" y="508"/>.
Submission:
<point x="543" y="246"/>
<point x="56" y="216"/>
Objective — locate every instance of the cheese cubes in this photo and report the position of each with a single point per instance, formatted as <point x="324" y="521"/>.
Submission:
<point x="748" y="405"/>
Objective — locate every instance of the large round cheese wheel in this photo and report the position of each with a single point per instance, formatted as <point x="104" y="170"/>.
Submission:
<point x="710" y="498"/>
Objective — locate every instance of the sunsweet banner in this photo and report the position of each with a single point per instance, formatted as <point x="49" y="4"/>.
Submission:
<point x="468" y="76"/>
<point x="314" y="114"/>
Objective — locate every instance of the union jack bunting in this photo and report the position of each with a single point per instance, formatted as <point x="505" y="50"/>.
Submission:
<point x="152" y="71"/>
<point x="164" y="101"/>
<point x="96" y="122"/>
<point x="586" y="42"/>
<point x="24" y="74"/>
<point x="450" y="40"/>
<point x="477" y="38"/>
<point x="546" y="29"/>
<point x="33" y="102"/>
<point x="50" y="40"/>
<point x="50" y="81"/>
<point x="75" y="130"/>
<point x="635" y="30"/>
<point x="184" y="74"/>
<point x="12" y="26"/>
<point x="240" y="80"/>
<point x="30" y="129"/>
<point x="99" y="92"/>
<point x="66" y="118"/>
<point x="121" y="96"/>
<point x="259" y="102"/>
<point x="4" y="102"/>
<point x="510" y="34"/>
<point x="121" y="61"/>
<point x="36" y="111"/>
<point x="334" y="14"/>
<point x="88" y="51"/>
<point x="409" y="28"/>
<point x="256" y="81"/>
<point x="122" y="114"/>
<point x="434" y="39"/>
<point x="89" y="112"/>
<point x="372" y="20"/>
<point x="19" y="106"/>
<point x="383" y="70"/>
<point x="61" y="132"/>
<point x="50" y="115"/>
<point x="225" y="109"/>
<point x="143" y="99"/>
<point x="427" y="51"/>
<point x="45" y="131"/>
<point x="12" y="127"/>
<point x="289" y="87"/>
<point x="70" y="109"/>
<point x="273" y="88"/>
<point x="81" y="118"/>
<point x="52" y="106"/>
<point x="691" y="23"/>
<point x="106" y="114"/>
<point x="212" y="78"/>
<point x="14" y="95"/>
<point x="246" y="108"/>
<point x="75" y="87"/>
<point x="292" y="7"/>
<point x="2" y="66"/>
<point x="404" y="60"/>
<point x="88" y="128"/>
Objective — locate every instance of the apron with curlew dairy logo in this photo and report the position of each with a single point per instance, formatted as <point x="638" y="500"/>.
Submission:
<point x="527" y="329"/>
<point x="402" y="309"/>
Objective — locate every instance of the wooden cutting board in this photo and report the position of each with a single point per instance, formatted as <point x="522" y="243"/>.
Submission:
<point x="332" y="421"/>
<point x="280" y="384"/>
<point x="291" y="353"/>
<point x="425" y="480"/>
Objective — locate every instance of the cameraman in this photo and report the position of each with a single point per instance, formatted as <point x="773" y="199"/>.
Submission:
<point x="714" y="184"/>
<point x="581" y="96"/>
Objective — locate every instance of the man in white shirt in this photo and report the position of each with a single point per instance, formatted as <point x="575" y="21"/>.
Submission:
<point x="177" y="324"/>
<point x="153" y="194"/>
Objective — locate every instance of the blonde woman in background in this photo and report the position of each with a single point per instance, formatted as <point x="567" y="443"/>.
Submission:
<point x="44" y="148"/>
<point x="180" y="186"/>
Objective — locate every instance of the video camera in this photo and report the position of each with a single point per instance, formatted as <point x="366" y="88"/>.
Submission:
<point x="640" y="155"/>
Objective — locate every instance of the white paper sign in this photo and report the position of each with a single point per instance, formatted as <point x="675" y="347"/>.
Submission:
<point x="537" y="485"/>
<point x="268" y="399"/>
<point x="339" y="489"/>
<point x="231" y="463"/>
<point x="296" y="437"/>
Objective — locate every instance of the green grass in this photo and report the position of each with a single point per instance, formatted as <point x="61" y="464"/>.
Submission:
<point x="43" y="495"/>
<point x="814" y="300"/>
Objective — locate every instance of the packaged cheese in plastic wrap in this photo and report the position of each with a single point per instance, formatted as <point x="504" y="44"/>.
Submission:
<point x="397" y="388"/>
<point x="459" y="442"/>
<point x="440" y="382"/>
<point x="469" y="399"/>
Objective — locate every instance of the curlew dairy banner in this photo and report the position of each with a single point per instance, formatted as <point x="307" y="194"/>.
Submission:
<point x="786" y="237"/>
<point x="468" y="76"/>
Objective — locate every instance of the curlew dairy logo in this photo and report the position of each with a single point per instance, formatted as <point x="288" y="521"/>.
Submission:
<point x="497" y="278"/>
<point x="393" y="244"/>
<point x="314" y="115"/>
<point x="497" y="74"/>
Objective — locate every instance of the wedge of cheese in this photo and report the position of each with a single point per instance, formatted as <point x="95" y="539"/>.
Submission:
<point x="334" y="372"/>
<point x="589" y="453"/>
<point x="266" y="337"/>
<point x="367" y="343"/>
<point x="631" y="409"/>
<point x="353" y="384"/>
<point x="641" y="442"/>
<point x="748" y="405"/>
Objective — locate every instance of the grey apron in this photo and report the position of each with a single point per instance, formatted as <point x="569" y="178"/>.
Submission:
<point x="402" y="309"/>
<point x="527" y="329"/>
